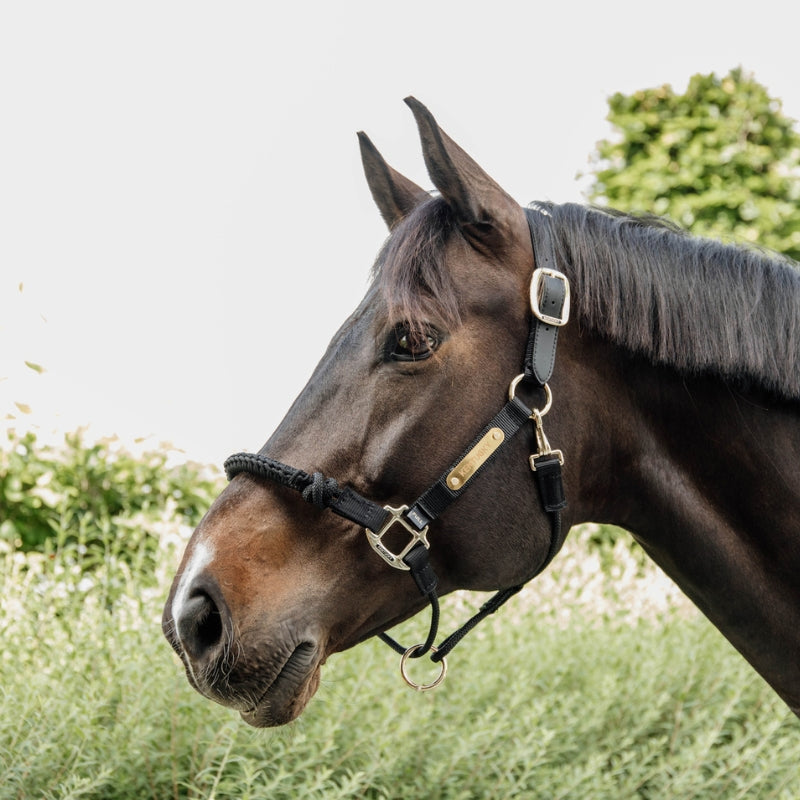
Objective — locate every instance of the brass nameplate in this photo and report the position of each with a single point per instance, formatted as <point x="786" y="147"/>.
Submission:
<point x="476" y="457"/>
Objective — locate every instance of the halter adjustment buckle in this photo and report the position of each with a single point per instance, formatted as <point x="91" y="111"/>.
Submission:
<point x="537" y="293"/>
<point x="417" y="537"/>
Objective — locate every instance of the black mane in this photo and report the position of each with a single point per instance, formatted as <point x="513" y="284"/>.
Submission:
<point x="692" y="303"/>
<point x="695" y="304"/>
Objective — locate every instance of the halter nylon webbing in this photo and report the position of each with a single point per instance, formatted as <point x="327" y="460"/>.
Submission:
<point x="325" y="492"/>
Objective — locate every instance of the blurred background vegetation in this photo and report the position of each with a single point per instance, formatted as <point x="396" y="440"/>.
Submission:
<point x="721" y="160"/>
<point x="93" y="493"/>
<point x="600" y="681"/>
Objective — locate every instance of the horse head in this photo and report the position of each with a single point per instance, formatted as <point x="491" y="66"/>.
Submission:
<point x="270" y="586"/>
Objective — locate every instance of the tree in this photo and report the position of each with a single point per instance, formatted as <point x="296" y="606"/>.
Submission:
<point x="721" y="160"/>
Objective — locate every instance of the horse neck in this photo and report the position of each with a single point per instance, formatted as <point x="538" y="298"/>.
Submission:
<point x="705" y="477"/>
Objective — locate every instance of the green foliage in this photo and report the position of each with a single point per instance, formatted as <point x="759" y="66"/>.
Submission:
<point x="94" y="705"/>
<point x="93" y="496"/>
<point x="721" y="160"/>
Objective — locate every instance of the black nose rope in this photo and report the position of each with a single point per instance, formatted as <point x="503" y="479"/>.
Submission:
<point x="550" y="310"/>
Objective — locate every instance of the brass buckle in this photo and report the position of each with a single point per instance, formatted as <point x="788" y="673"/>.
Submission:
<point x="537" y="289"/>
<point x="396" y="559"/>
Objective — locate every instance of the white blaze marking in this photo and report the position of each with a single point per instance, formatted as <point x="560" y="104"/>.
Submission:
<point x="201" y="557"/>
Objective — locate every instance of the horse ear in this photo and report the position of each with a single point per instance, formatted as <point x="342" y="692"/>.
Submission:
<point x="394" y="194"/>
<point x="485" y="212"/>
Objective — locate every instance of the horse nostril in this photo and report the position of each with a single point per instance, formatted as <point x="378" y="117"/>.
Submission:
<point x="200" y="625"/>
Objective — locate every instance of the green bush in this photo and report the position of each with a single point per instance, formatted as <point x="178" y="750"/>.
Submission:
<point x="623" y="696"/>
<point x="94" y="705"/>
<point x="94" y="497"/>
<point x="721" y="159"/>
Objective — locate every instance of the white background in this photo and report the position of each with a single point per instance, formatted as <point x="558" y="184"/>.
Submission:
<point x="181" y="195"/>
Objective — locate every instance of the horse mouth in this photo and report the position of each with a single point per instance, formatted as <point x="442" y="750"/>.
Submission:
<point x="288" y="693"/>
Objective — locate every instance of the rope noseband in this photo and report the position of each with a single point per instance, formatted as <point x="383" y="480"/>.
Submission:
<point x="550" y="311"/>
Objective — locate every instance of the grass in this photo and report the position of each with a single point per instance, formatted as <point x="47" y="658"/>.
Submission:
<point x="602" y="704"/>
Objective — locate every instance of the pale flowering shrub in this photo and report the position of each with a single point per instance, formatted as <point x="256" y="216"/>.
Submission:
<point x="608" y="580"/>
<point x="616" y="583"/>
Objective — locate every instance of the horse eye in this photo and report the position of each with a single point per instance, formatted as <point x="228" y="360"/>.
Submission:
<point x="412" y="345"/>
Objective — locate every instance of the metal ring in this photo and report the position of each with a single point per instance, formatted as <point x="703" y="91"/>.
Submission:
<point x="421" y="687"/>
<point x="548" y="395"/>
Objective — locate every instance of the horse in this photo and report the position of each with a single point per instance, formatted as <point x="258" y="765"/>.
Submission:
<point x="674" y="404"/>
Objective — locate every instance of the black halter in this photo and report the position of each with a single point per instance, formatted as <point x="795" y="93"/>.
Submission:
<point x="549" y="311"/>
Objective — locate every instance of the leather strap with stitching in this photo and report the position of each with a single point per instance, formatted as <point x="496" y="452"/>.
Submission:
<point x="540" y="354"/>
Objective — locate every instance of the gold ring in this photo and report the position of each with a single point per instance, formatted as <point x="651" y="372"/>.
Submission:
<point x="421" y="687"/>
<point x="548" y="395"/>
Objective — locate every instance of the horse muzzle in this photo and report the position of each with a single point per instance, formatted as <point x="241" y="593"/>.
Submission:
<point x="267" y="672"/>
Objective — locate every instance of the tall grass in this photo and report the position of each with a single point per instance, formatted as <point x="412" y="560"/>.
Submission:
<point x="597" y="681"/>
<point x="95" y="706"/>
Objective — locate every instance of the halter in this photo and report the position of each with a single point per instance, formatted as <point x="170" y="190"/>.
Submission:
<point x="550" y="302"/>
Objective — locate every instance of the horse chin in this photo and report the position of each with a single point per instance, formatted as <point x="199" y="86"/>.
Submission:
<point x="288" y="693"/>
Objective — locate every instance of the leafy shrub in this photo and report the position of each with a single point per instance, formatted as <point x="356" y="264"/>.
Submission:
<point x="94" y="497"/>
<point x="721" y="159"/>
<point x="96" y="706"/>
<point x="649" y="703"/>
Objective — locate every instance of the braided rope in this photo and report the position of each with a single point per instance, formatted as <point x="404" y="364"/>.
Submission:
<point x="321" y="491"/>
<point x="316" y="488"/>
